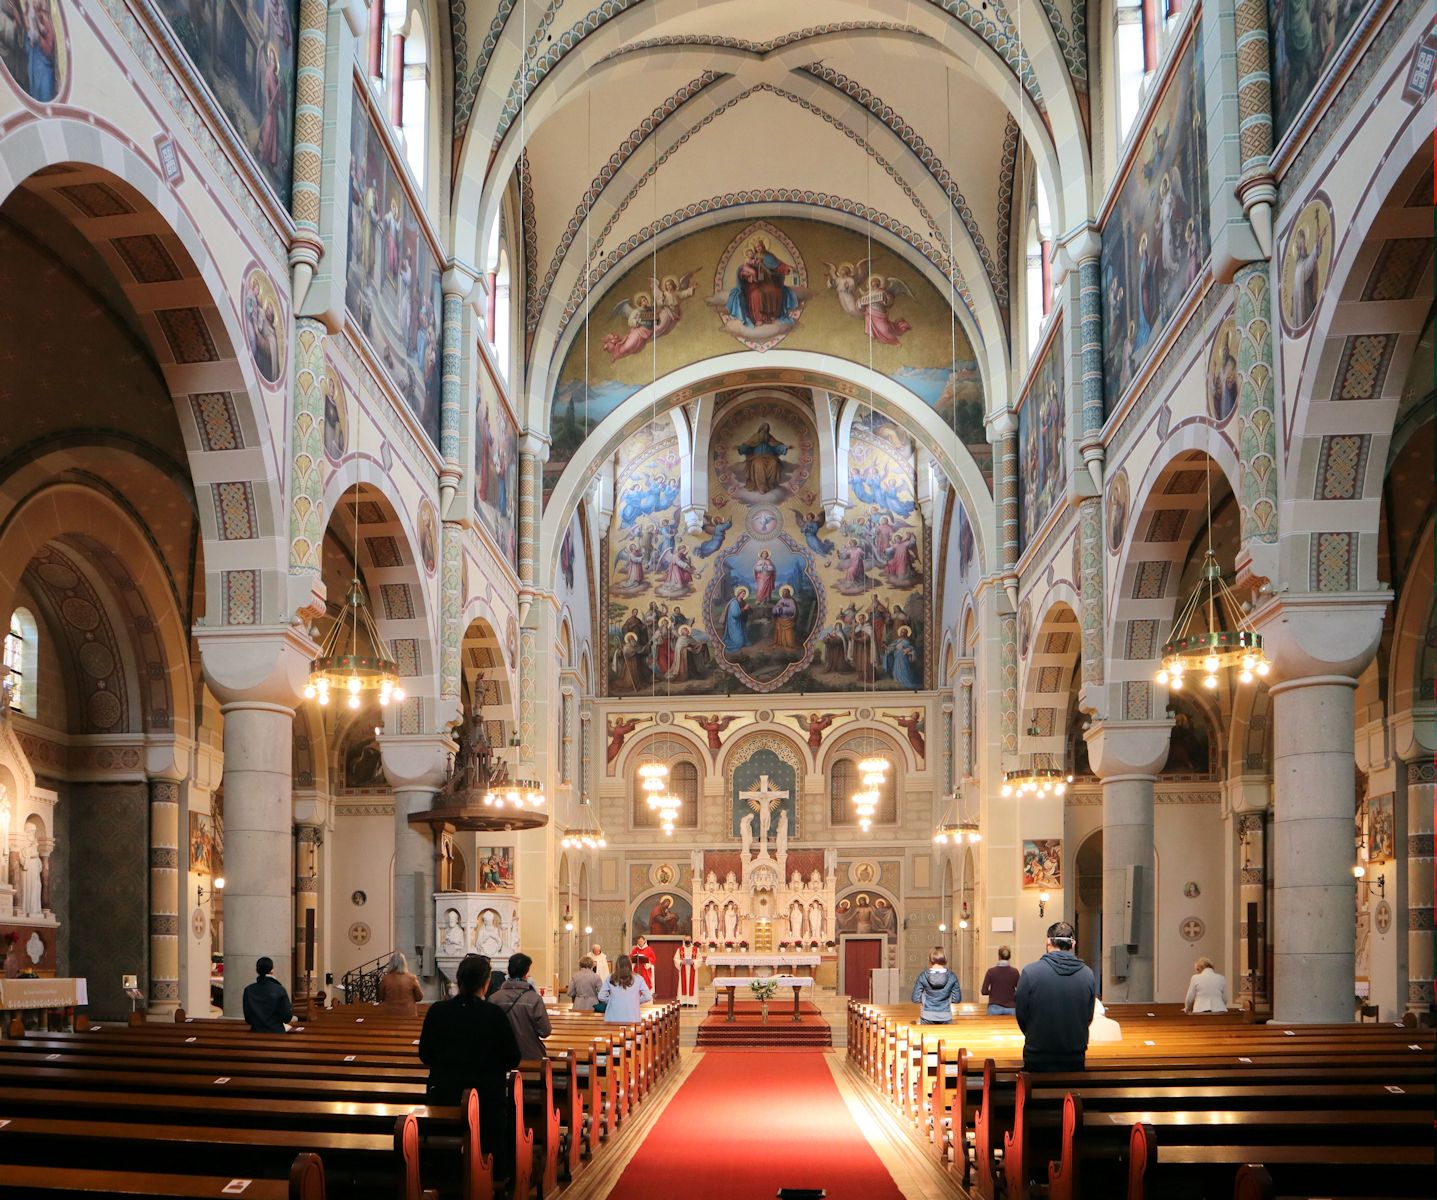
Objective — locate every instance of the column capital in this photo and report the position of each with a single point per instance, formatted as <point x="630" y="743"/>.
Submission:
<point x="1001" y="424"/>
<point x="1315" y="634"/>
<point x="1414" y="733"/>
<point x="534" y="444"/>
<point x="258" y="664"/>
<point x="355" y="12"/>
<point x="168" y="759"/>
<point x="416" y="762"/>
<point x="1079" y="245"/>
<point x="458" y="279"/>
<point x="1129" y="749"/>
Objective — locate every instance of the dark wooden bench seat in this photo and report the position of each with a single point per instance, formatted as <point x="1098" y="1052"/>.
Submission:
<point x="305" y="1182"/>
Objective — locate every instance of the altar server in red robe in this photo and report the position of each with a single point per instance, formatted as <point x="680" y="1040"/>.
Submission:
<point x="686" y="959"/>
<point x="644" y="960"/>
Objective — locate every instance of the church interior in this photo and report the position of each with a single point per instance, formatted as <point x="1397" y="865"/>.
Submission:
<point x="990" y="501"/>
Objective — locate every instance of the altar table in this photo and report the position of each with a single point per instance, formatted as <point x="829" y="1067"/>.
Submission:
<point x="730" y="961"/>
<point x="796" y="982"/>
<point x="16" y="994"/>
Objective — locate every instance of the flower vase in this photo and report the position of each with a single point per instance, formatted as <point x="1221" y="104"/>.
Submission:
<point x="765" y="1012"/>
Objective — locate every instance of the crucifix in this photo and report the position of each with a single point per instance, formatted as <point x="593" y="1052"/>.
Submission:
<point x="763" y="799"/>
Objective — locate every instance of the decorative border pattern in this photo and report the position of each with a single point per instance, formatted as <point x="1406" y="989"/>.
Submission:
<point x="1342" y="465"/>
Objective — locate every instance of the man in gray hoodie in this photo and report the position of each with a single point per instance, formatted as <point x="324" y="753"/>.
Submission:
<point x="524" y="1007"/>
<point x="1055" y="1005"/>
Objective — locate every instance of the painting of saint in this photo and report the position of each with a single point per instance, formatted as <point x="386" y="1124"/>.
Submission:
<point x="496" y="472"/>
<point x="496" y="868"/>
<point x="760" y="287"/>
<point x="567" y="555"/>
<point x="206" y="844"/>
<point x="1117" y="511"/>
<point x="336" y="415"/>
<point x="1155" y="237"/>
<point x="1043" y="863"/>
<point x="763" y="461"/>
<point x="428" y="537"/>
<point x="764" y="606"/>
<point x="1306" y="36"/>
<point x="264" y="324"/>
<point x="761" y="296"/>
<point x="1305" y="264"/>
<point x="1222" y="378"/>
<point x="1040" y="441"/>
<point x="246" y="52"/>
<point x="363" y="760"/>
<point x="33" y="48"/>
<point x="392" y="288"/>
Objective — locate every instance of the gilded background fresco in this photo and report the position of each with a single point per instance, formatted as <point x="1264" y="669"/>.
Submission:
<point x="766" y="597"/>
<point x="1155" y="239"/>
<point x="245" y="50"/>
<point x="1040" y="441"/>
<point x="756" y="285"/>
<point x="392" y="290"/>
<point x="496" y="471"/>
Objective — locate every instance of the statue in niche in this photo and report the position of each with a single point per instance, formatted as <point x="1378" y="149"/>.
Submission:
<point x="815" y="880"/>
<point x="795" y="921"/>
<point x="451" y="939"/>
<point x="782" y="843"/>
<point x="730" y="882"/>
<point x="711" y="927"/>
<point x="745" y="828"/>
<point x="31" y="870"/>
<point x="816" y="920"/>
<point x="489" y="934"/>
<point x="731" y="921"/>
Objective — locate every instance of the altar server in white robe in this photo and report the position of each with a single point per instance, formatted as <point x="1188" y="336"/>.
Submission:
<point x="601" y="961"/>
<point x="686" y="962"/>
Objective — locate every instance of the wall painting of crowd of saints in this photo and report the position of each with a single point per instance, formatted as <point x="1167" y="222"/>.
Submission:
<point x="1040" y="439"/>
<point x="1306" y="36"/>
<point x="665" y="914"/>
<point x="766" y="597"/>
<point x="753" y="286"/>
<point x="496" y="471"/>
<point x="246" y="52"/>
<point x="392" y="290"/>
<point x="1155" y="237"/>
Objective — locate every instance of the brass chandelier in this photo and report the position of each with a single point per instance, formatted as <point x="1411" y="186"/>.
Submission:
<point x="1228" y="641"/>
<point x="588" y="834"/>
<point x="1034" y="780"/>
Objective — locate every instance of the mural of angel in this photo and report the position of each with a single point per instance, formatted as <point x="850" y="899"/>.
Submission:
<point x="815" y="725"/>
<point x="713" y="727"/>
<point x="875" y="301"/>
<point x="717" y="531"/>
<point x="669" y="294"/>
<point x="811" y="526"/>
<point x="845" y="278"/>
<point x="679" y="572"/>
<point x="638" y="315"/>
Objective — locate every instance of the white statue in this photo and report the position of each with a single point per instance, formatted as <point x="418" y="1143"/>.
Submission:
<point x="815" y="880"/>
<point x="712" y="931"/>
<point x="782" y="847"/>
<point x="795" y="881"/>
<point x="745" y="830"/>
<point x="765" y="816"/>
<point x="711" y="882"/>
<point x="730" y="882"/>
<point x="489" y="936"/>
<point x="30" y="866"/>
<point x="815" y="920"/>
<point x="795" y="921"/>
<point x="513" y="938"/>
<point x="451" y="938"/>
<point x="731" y="921"/>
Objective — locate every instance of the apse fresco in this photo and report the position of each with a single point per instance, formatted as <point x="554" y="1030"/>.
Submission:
<point x="1155" y="239"/>
<point x="496" y="471"/>
<point x="1040" y="441"/>
<point x="766" y="596"/>
<point x="245" y="51"/>
<point x="392" y="290"/>
<point x="754" y="286"/>
<point x="1306" y="35"/>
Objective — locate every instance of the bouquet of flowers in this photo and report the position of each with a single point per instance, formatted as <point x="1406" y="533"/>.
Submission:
<point x="743" y="945"/>
<point x="763" y="989"/>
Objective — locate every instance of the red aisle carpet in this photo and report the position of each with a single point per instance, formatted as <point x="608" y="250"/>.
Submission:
<point x="744" y="1125"/>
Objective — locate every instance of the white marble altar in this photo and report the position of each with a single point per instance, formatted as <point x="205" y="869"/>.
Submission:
<point x="27" y="836"/>
<point x="762" y="966"/>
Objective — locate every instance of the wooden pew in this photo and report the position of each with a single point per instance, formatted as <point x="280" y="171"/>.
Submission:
<point x="305" y="1182"/>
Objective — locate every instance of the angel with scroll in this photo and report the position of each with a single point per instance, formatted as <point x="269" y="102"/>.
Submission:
<point x="845" y="278"/>
<point x="638" y="315"/>
<point x="669" y="294"/>
<point x="879" y="292"/>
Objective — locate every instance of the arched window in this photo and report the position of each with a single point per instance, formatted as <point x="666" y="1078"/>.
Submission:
<point x="1038" y="266"/>
<point x="399" y="71"/>
<point x="683" y="783"/>
<point x="502" y="308"/>
<point x="1130" y="55"/>
<point x="22" y="657"/>
<point x="844" y="781"/>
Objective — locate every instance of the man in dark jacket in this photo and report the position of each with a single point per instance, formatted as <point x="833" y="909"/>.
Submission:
<point x="525" y="1008"/>
<point x="1055" y="1005"/>
<point x="266" y="1003"/>
<point x="467" y="1043"/>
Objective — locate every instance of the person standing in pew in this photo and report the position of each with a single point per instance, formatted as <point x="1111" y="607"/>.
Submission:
<point x="584" y="986"/>
<point x="1000" y="984"/>
<point x="524" y="1007"/>
<point x="1207" y="990"/>
<point x="1054" y="1005"/>
<point x="466" y="1042"/>
<point x="399" y="991"/>
<point x="937" y="989"/>
<point x="266" y="1003"/>
<point x="624" y="993"/>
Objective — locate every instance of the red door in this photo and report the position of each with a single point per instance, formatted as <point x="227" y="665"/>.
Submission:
<point x="666" y="975"/>
<point x="860" y="956"/>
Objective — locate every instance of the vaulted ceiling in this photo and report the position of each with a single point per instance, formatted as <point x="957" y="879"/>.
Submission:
<point x="632" y="117"/>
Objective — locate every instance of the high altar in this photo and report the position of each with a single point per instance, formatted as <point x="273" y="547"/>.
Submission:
<point x="768" y="909"/>
<point x="27" y="839"/>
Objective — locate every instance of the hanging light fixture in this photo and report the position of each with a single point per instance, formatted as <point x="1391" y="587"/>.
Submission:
<point x="953" y="829"/>
<point x="1228" y="639"/>
<point x="588" y="834"/>
<point x="1034" y="780"/>
<point x="353" y="658"/>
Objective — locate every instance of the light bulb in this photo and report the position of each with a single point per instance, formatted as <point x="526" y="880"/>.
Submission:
<point x="1248" y="662"/>
<point x="383" y="699"/>
<point x="353" y="685"/>
<point x="1177" y="683"/>
<point x="1359" y="871"/>
<point x="963" y="923"/>
<point x="1005" y="790"/>
<point x="588" y="929"/>
<point x="1176" y="669"/>
<point x="354" y="702"/>
<point x="1209" y="681"/>
<point x="1244" y="677"/>
<point x="1043" y="897"/>
<point x="942" y="926"/>
<point x="1210" y="664"/>
<point x="974" y="838"/>
<point x="1060" y="788"/>
<point x="399" y="695"/>
<point x="1161" y="677"/>
<point x="941" y="838"/>
<point x="1263" y="667"/>
<point x="309" y="692"/>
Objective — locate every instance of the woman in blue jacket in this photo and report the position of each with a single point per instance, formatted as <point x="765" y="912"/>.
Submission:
<point x="937" y="990"/>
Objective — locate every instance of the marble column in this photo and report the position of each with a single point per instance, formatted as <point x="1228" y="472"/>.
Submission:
<point x="1319" y="645"/>
<point x="164" y="990"/>
<point x="1421" y="797"/>
<point x="1127" y="756"/>
<point x="1250" y="986"/>
<point x="417" y="766"/>
<point x="257" y="674"/>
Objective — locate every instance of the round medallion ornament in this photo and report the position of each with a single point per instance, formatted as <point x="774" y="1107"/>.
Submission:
<point x="764" y="521"/>
<point x="764" y="714"/>
<point x="198" y="924"/>
<point x="665" y="718"/>
<point x="58" y="575"/>
<point x="80" y="613"/>
<point x="96" y="659"/>
<point x="359" y="933"/>
<point x="103" y="710"/>
<point x="1192" y="929"/>
<point x="358" y="899"/>
<point x="1382" y="917"/>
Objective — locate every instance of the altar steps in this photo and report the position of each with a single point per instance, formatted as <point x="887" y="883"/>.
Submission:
<point x="748" y="1029"/>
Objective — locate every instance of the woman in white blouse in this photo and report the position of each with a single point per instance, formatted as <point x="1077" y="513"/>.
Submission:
<point x="1207" y="991"/>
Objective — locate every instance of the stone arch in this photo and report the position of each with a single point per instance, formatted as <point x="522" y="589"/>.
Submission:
<point x="310" y="756"/>
<point x="88" y="527"/>
<point x="1368" y="322"/>
<point x="643" y="739"/>
<point x="1048" y="677"/>
<point x="1412" y="628"/>
<point x="386" y="549"/>
<point x="699" y="379"/>
<point x="864" y="738"/>
<point x="485" y="674"/>
<point x="1167" y="510"/>
<point x="90" y="175"/>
